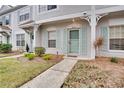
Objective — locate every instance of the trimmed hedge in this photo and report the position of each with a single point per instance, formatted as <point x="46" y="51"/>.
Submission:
<point x="39" y="51"/>
<point x="5" y="48"/>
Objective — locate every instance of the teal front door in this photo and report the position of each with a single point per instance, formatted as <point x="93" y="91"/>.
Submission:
<point x="74" y="42"/>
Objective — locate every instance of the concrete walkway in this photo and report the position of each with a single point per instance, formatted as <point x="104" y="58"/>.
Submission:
<point x="53" y="77"/>
<point x="15" y="56"/>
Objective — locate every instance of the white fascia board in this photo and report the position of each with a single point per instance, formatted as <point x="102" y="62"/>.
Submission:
<point x="64" y="17"/>
<point x="110" y="9"/>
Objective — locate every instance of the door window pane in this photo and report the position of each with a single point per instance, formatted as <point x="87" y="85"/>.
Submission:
<point x="74" y="34"/>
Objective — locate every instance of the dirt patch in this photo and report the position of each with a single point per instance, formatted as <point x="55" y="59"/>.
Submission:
<point x="115" y="70"/>
<point x="97" y="73"/>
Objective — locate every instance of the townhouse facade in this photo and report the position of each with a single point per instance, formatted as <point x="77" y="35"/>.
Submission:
<point x="64" y="29"/>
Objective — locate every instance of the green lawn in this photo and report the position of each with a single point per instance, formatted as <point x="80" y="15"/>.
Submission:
<point x="14" y="73"/>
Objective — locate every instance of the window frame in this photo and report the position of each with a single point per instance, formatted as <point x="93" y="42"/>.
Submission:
<point x="24" y="17"/>
<point x="20" y="40"/>
<point x="52" y="39"/>
<point x="51" y="8"/>
<point x="47" y="11"/>
<point x="110" y="50"/>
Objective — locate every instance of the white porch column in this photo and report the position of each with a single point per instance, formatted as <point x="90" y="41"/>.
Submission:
<point x="35" y="36"/>
<point x="93" y="31"/>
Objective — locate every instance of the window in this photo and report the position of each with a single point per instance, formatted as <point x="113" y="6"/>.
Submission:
<point x="20" y="40"/>
<point x="116" y="37"/>
<point x="24" y="17"/>
<point x="50" y="7"/>
<point x="52" y="39"/>
<point x="1" y="22"/>
<point x="0" y="39"/>
<point x="7" y="20"/>
<point x="43" y="8"/>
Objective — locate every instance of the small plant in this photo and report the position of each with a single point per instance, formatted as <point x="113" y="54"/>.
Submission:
<point x="114" y="60"/>
<point x="47" y="56"/>
<point x="30" y="56"/>
<point x="5" y="48"/>
<point x="39" y="51"/>
<point x="98" y="43"/>
<point x="26" y="54"/>
<point x="27" y="48"/>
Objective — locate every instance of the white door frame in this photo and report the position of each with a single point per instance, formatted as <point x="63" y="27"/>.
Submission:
<point x="68" y="40"/>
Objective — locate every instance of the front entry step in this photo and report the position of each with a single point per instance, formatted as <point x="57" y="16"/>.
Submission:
<point x="71" y="56"/>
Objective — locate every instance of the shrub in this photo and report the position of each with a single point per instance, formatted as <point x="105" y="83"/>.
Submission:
<point x="47" y="56"/>
<point x="26" y="54"/>
<point x="39" y="51"/>
<point x="30" y="56"/>
<point x="114" y="60"/>
<point x="5" y="48"/>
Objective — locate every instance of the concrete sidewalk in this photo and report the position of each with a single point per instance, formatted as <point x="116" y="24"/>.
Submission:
<point x="53" y="77"/>
<point x="15" y="56"/>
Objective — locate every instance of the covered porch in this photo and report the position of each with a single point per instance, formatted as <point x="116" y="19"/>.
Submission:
<point x="29" y="35"/>
<point x="5" y="34"/>
<point x="70" y="37"/>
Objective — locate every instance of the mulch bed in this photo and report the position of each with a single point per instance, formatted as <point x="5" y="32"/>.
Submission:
<point x="100" y="72"/>
<point x="55" y="59"/>
<point x="120" y="60"/>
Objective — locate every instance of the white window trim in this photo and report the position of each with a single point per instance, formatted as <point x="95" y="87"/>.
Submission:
<point x="48" y="39"/>
<point x="24" y="39"/>
<point x="21" y="22"/>
<point x="121" y="51"/>
<point x="48" y="11"/>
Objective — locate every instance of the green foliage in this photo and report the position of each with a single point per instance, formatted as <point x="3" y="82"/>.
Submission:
<point x="30" y="56"/>
<point x="47" y="56"/>
<point x="5" y="48"/>
<point x="114" y="60"/>
<point x="26" y="54"/>
<point x="39" y="51"/>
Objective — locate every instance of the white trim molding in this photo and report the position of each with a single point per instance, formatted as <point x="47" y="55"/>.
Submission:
<point x="64" y="17"/>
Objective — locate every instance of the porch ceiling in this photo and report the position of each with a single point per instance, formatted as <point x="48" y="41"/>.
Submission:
<point x="5" y="30"/>
<point x="27" y="25"/>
